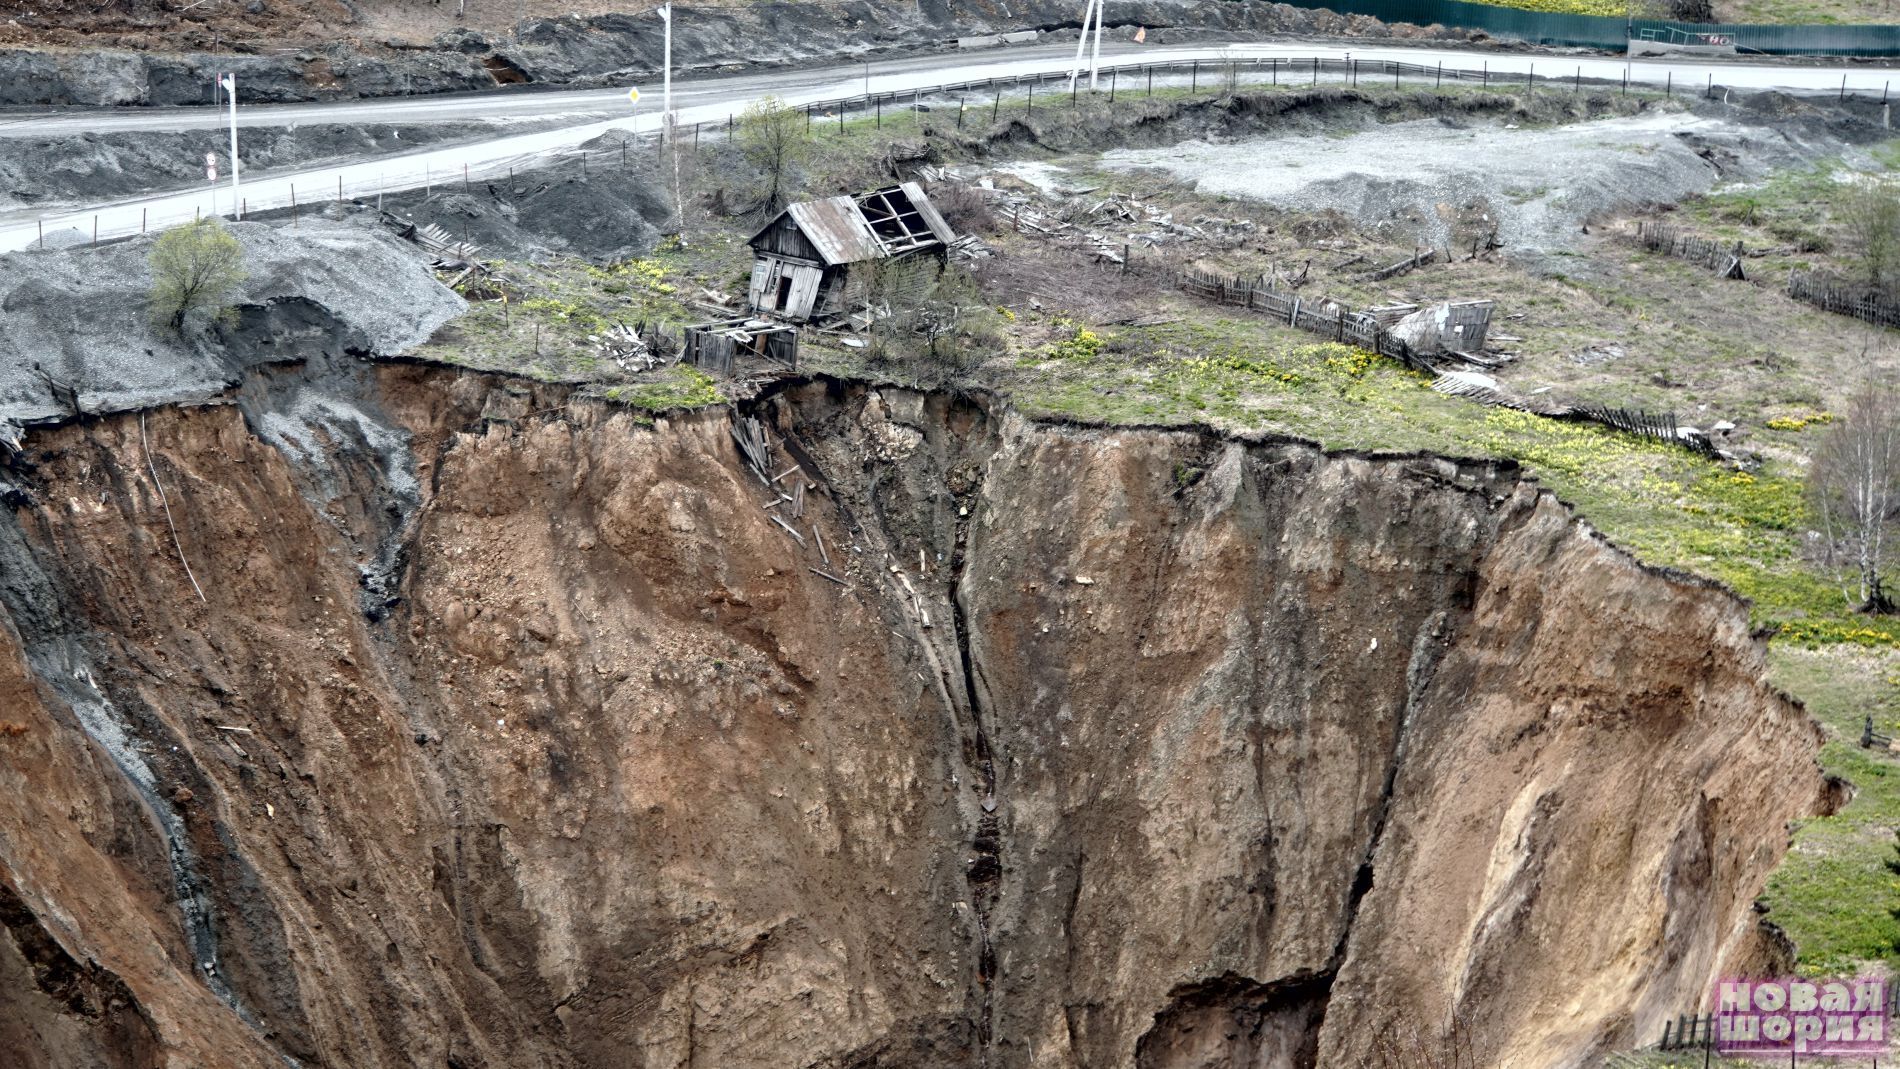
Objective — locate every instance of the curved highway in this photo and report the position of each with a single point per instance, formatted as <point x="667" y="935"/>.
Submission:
<point x="711" y="101"/>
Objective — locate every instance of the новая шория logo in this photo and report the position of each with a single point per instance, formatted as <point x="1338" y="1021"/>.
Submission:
<point x="1779" y="1017"/>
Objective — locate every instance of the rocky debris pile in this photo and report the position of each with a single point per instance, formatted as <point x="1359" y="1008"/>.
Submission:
<point x="605" y="49"/>
<point x="599" y="212"/>
<point x="79" y="337"/>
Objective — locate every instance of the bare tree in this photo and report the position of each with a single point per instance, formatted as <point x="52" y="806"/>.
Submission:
<point x="1854" y="483"/>
<point x="1870" y="210"/>
<point x="773" y="138"/>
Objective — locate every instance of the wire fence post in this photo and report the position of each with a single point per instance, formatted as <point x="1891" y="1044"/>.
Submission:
<point x="1843" y="88"/>
<point x="1439" y="82"/>
<point x="1112" y="72"/>
<point x="1315" y="70"/>
<point x="1578" y="87"/>
<point x="1530" y="73"/>
<point x="1151" y="81"/>
<point x="997" y="104"/>
<point x="1194" y="78"/>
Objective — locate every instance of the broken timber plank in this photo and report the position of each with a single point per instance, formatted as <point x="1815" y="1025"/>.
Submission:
<point x="790" y="530"/>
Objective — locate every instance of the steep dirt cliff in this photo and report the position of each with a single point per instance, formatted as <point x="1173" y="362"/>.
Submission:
<point x="489" y="727"/>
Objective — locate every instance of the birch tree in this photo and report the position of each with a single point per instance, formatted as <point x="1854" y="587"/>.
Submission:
<point x="1855" y="487"/>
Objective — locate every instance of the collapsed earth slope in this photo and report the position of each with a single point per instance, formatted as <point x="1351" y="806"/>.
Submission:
<point x="493" y="727"/>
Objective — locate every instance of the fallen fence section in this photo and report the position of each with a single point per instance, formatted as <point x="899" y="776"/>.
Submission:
<point x="1724" y="260"/>
<point x="1369" y="329"/>
<point x="1323" y="317"/>
<point x="1659" y="426"/>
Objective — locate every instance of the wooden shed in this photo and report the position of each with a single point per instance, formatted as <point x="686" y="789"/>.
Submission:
<point x="804" y="259"/>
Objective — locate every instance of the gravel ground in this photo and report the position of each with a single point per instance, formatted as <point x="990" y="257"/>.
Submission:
<point x="80" y="315"/>
<point x="59" y="170"/>
<point x="1433" y="181"/>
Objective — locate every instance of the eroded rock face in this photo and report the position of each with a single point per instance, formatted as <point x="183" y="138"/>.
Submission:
<point x="509" y="731"/>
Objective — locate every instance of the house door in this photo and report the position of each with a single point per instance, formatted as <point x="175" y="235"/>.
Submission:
<point x="784" y="302"/>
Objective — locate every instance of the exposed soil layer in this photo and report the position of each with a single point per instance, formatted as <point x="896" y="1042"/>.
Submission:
<point x="508" y="730"/>
<point x="77" y="54"/>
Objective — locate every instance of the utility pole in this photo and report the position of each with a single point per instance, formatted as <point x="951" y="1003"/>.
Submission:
<point x="229" y="81"/>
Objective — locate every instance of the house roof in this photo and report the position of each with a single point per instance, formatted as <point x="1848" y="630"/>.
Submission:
<point x="883" y="223"/>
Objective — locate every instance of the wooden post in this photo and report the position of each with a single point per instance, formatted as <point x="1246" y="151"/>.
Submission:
<point x="293" y="210"/>
<point x="1151" y="81"/>
<point x="1439" y="83"/>
<point x="1276" y="70"/>
<point x="1315" y="70"/>
<point x="1194" y="78"/>
<point x="1112" y="72"/>
<point x="997" y="104"/>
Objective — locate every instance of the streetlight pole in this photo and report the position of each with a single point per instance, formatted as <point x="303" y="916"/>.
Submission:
<point x="666" y="73"/>
<point x="1095" y="57"/>
<point x="1082" y="42"/>
<point x="229" y="81"/>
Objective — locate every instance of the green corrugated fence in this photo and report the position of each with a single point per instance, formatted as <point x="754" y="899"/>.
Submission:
<point x="1596" y="31"/>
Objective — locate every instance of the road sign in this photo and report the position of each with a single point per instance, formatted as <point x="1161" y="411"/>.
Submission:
<point x="633" y="96"/>
<point x="211" y="166"/>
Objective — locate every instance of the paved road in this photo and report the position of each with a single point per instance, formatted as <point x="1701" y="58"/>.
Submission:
<point x="710" y="101"/>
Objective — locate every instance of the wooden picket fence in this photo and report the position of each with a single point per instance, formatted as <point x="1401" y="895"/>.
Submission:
<point x="1689" y="1032"/>
<point x="1871" y="308"/>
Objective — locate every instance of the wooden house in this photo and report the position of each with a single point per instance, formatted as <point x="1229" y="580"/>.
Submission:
<point x="808" y="261"/>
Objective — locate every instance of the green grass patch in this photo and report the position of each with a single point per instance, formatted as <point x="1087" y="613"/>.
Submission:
<point x="678" y="387"/>
<point x="1835" y="894"/>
